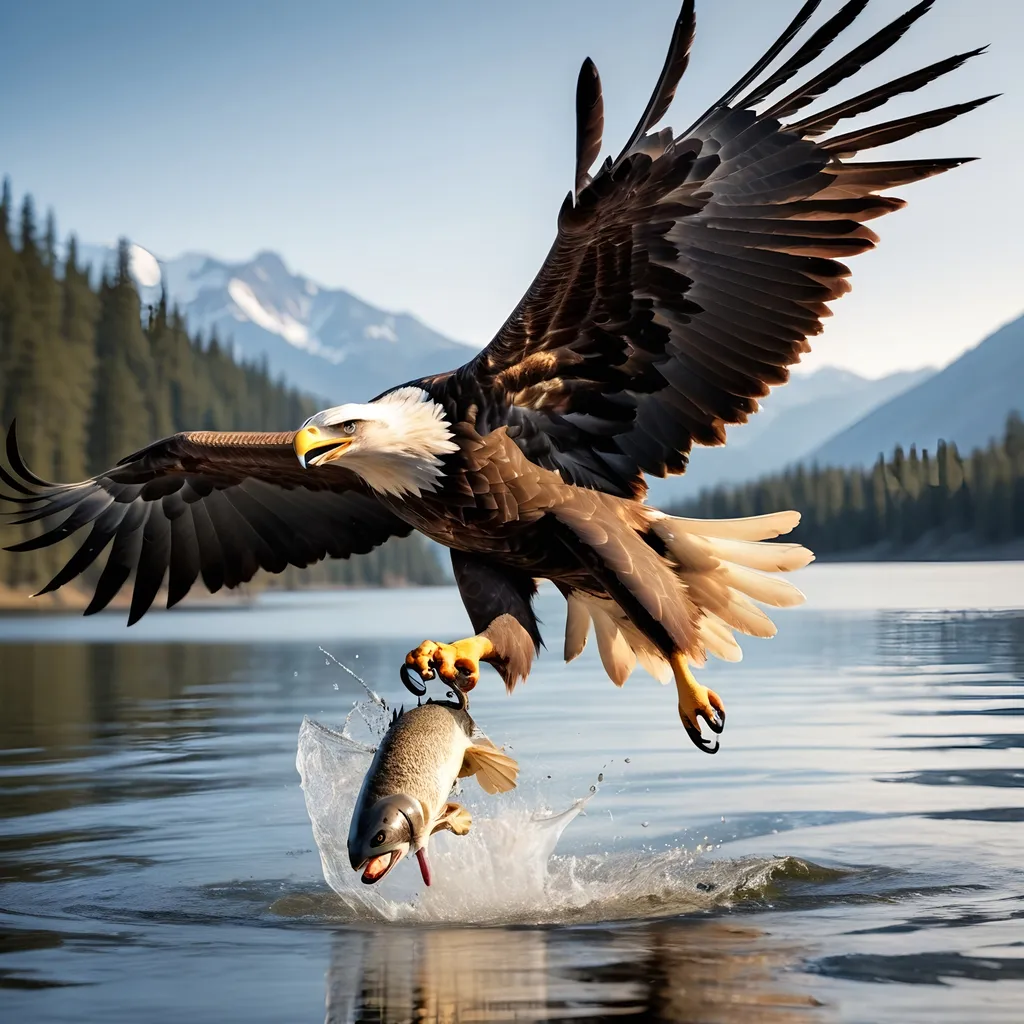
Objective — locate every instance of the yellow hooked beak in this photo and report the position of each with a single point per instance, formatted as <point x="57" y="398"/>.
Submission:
<point x="313" y="444"/>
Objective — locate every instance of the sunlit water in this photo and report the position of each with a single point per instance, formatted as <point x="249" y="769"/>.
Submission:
<point x="852" y="853"/>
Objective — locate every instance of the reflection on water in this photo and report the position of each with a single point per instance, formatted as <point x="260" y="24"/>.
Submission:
<point x="852" y="853"/>
<point x="672" y="971"/>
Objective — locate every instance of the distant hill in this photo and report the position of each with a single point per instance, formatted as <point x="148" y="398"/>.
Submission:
<point x="913" y="506"/>
<point x="324" y="341"/>
<point x="792" y="422"/>
<point x="967" y="402"/>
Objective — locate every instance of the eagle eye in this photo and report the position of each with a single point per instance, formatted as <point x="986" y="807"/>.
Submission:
<point x="379" y="838"/>
<point x="348" y="427"/>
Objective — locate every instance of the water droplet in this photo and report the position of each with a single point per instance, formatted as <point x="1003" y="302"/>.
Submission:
<point x="644" y="824"/>
<point x="335" y="685"/>
<point x="600" y="776"/>
<point x="357" y="657"/>
<point x="593" y="789"/>
<point x="295" y="675"/>
<point x="327" y="662"/>
<point x="627" y="760"/>
<point x="723" y="817"/>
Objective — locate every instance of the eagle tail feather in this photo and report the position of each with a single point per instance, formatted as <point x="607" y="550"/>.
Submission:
<point x="722" y="568"/>
<point x="723" y="564"/>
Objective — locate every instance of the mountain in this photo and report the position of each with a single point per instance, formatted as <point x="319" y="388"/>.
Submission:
<point x="322" y="340"/>
<point x="792" y="423"/>
<point x="967" y="402"/>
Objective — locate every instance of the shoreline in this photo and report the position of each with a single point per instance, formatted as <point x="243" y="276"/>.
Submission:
<point x="930" y="551"/>
<point x="73" y="598"/>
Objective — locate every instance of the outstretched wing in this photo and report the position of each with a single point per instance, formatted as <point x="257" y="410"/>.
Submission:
<point x="689" y="273"/>
<point x="216" y="505"/>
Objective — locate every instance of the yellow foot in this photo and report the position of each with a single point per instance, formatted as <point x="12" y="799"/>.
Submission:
<point x="455" y="818"/>
<point x="697" y="702"/>
<point x="457" y="663"/>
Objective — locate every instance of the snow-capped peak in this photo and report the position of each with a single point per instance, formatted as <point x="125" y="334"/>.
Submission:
<point x="322" y="340"/>
<point x="269" y="319"/>
<point x="143" y="266"/>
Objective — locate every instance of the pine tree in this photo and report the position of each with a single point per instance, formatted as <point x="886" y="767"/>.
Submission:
<point x="49" y="247"/>
<point x="129" y="409"/>
<point x="6" y="205"/>
<point x="36" y="400"/>
<point x="79" y="309"/>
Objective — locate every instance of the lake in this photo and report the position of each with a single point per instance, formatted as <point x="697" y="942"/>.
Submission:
<point x="853" y="852"/>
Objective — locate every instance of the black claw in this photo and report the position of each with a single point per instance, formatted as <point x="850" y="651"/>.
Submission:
<point x="717" y="722"/>
<point x="698" y="740"/>
<point x="417" y="687"/>
<point x="459" y="699"/>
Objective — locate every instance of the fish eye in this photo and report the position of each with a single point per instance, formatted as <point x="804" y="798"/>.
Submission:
<point x="379" y="838"/>
<point x="348" y="427"/>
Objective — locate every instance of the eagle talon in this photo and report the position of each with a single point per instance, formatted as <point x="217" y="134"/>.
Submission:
<point x="697" y="703"/>
<point x="457" y="664"/>
<point x="416" y="687"/>
<point x="703" y="745"/>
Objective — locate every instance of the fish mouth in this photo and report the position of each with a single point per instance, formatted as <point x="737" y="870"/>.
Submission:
<point x="377" y="867"/>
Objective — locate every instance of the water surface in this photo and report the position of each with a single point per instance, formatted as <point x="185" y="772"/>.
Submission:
<point x="852" y="853"/>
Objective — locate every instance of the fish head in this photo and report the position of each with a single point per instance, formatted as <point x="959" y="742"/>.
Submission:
<point x="382" y="834"/>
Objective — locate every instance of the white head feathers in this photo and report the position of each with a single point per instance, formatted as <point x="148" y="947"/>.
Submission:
<point x="398" y="443"/>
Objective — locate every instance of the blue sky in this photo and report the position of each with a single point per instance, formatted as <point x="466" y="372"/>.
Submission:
<point x="416" y="153"/>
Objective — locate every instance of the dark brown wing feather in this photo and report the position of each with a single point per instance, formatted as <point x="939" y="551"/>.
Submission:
<point x="589" y="122"/>
<point x="689" y="274"/>
<point x="672" y="71"/>
<point x="215" y="505"/>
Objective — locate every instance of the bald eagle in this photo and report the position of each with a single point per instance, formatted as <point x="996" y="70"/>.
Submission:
<point x="686" y="277"/>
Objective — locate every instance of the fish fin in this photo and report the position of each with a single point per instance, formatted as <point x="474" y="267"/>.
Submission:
<point x="479" y="739"/>
<point x="495" y="771"/>
<point x="455" y="818"/>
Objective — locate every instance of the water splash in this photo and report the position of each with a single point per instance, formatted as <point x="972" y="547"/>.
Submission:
<point x="505" y="871"/>
<point x="374" y="697"/>
<point x="493" y="873"/>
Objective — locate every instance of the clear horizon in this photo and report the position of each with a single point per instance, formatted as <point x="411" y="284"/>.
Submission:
<point x="417" y="158"/>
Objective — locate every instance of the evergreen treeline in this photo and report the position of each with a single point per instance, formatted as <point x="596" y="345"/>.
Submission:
<point x="912" y="497"/>
<point x="90" y="379"/>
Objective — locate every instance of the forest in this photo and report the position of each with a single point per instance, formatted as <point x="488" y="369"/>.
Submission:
<point x="91" y="377"/>
<point x="943" y="503"/>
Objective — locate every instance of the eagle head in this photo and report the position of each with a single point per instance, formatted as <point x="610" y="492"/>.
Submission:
<point x="395" y="443"/>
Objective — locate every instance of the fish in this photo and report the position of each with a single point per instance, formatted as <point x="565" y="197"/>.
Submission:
<point x="403" y="800"/>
